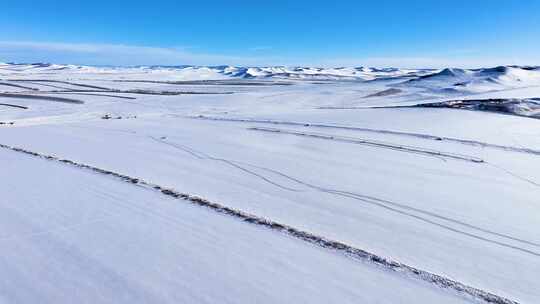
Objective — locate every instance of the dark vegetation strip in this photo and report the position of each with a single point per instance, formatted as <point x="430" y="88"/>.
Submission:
<point x="49" y="98"/>
<point x="98" y="89"/>
<point x="13" y="106"/>
<point x="151" y="92"/>
<point x="18" y="86"/>
<point x="89" y="94"/>
<point x="41" y="84"/>
<point x="64" y="82"/>
<point x="347" y="250"/>
<point x="494" y="105"/>
<point x="143" y="92"/>
<point x="214" y="82"/>
<point x="491" y="105"/>
<point x="388" y="92"/>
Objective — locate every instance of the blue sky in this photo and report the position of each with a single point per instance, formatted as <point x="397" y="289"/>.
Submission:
<point x="402" y="33"/>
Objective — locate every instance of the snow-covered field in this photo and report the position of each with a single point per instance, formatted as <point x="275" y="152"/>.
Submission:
<point x="403" y="202"/>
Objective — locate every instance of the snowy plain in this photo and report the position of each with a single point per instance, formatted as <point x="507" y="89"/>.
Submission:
<point x="342" y="153"/>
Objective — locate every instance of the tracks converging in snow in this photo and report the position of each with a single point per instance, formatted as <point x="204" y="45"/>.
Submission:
<point x="340" y="247"/>
<point x="237" y="165"/>
<point x="424" y="216"/>
<point x="373" y="143"/>
<point x="371" y="130"/>
<point x="395" y="147"/>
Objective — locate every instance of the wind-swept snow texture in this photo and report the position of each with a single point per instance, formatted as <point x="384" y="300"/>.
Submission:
<point x="359" y="157"/>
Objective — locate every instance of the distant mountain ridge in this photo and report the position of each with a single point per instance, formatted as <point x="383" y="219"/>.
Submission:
<point x="483" y="79"/>
<point x="279" y="72"/>
<point x="448" y="79"/>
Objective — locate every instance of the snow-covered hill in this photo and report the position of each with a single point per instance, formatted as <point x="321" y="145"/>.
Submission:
<point x="478" y="80"/>
<point x="448" y="80"/>
<point x="221" y="72"/>
<point x="311" y="73"/>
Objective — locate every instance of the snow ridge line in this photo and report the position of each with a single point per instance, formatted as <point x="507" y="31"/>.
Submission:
<point x="346" y="250"/>
<point x="369" y="130"/>
<point x="375" y="143"/>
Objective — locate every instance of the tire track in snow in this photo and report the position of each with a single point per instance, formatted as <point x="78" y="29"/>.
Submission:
<point x="370" y="130"/>
<point x="401" y="148"/>
<point x="378" y="201"/>
<point x="385" y="204"/>
<point x="527" y="180"/>
<point x="337" y="246"/>
<point x="234" y="164"/>
<point x="373" y="143"/>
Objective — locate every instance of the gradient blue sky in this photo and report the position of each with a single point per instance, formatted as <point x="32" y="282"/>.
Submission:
<point x="405" y="33"/>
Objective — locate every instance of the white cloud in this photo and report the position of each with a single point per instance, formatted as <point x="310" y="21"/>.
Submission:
<point x="119" y="54"/>
<point x="111" y="54"/>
